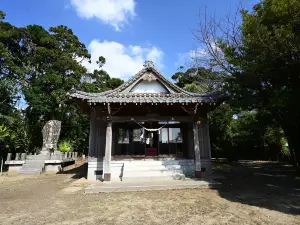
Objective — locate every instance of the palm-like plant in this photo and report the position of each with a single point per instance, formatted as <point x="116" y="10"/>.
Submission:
<point x="65" y="146"/>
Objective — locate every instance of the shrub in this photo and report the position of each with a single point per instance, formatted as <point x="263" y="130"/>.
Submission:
<point x="65" y="146"/>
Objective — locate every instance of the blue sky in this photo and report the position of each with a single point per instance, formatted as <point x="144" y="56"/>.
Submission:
<point x="125" y="32"/>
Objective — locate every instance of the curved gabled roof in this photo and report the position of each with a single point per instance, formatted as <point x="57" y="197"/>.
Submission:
<point x="122" y="93"/>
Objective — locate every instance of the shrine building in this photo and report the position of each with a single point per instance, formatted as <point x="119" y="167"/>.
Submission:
<point x="148" y="128"/>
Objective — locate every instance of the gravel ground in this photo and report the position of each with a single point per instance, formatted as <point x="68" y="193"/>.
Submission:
<point x="251" y="193"/>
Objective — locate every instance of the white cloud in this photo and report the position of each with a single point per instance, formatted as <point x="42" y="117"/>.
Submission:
<point x="136" y="50"/>
<point x="122" y="61"/>
<point x="113" y="12"/>
<point x="192" y="58"/>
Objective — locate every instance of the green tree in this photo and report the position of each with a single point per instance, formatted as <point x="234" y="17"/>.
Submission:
<point x="267" y="63"/>
<point x="262" y="57"/>
<point x="8" y="97"/>
<point x="250" y="135"/>
<point x="3" y="132"/>
<point x="44" y="65"/>
<point x="50" y="60"/>
<point x="10" y="50"/>
<point x="199" y="80"/>
<point x="220" y="128"/>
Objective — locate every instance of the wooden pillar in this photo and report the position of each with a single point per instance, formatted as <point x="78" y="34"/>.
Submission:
<point x="93" y="120"/>
<point x="197" y="150"/>
<point x="107" y="159"/>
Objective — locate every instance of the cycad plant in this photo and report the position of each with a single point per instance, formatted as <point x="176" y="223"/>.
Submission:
<point x="65" y="146"/>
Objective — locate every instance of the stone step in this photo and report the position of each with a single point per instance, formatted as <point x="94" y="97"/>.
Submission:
<point x="154" y="167"/>
<point x="152" y="178"/>
<point x="143" y="174"/>
<point x="38" y="157"/>
<point x="30" y="171"/>
<point x="33" y="166"/>
<point x="30" y="168"/>
<point x="152" y="163"/>
<point x="56" y="157"/>
<point x="147" y="186"/>
<point x="35" y="161"/>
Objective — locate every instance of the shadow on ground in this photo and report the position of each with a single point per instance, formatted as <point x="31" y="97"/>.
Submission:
<point x="273" y="186"/>
<point x="79" y="170"/>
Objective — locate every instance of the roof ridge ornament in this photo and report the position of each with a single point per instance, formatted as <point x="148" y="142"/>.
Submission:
<point x="149" y="64"/>
<point x="149" y="77"/>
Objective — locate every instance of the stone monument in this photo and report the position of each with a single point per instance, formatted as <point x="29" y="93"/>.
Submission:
<point x="51" y="133"/>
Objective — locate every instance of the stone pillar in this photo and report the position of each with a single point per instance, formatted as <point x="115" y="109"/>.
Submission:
<point x="8" y="157"/>
<point x="107" y="159"/>
<point x="197" y="150"/>
<point x="23" y="156"/>
<point x="17" y="156"/>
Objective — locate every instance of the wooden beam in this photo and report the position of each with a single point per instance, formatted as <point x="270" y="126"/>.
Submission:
<point x="117" y="119"/>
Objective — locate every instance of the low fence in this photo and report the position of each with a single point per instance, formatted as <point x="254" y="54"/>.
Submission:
<point x="22" y="156"/>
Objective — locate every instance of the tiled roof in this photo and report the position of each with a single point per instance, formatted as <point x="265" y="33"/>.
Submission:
<point x="147" y="98"/>
<point x="121" y="94"/>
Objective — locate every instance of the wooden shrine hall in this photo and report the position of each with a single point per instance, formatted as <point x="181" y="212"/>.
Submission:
<point x="147" y="128"/>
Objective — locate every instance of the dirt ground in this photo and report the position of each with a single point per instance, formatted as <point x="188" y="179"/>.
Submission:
<point x="251" y="193"/>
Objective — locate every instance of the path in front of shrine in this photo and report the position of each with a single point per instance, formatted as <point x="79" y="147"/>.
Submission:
<point x="251" y="193"/>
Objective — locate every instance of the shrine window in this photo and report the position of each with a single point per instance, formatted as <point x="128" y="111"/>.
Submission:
<point x="170" y="135"/>
<point x="123" y="136"/>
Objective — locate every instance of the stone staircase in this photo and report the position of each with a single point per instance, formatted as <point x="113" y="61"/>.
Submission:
<point x="152" y="170"/>
<point x="34" y="164"/>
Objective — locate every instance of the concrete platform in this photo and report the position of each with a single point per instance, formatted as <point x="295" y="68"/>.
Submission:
<point x="149" y="185"/>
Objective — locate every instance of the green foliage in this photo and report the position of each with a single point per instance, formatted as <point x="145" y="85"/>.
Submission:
<point x="199" y="80"/>
<point x="3" y="132"/>
<point x="65" y="146"/>
<point x="44" y="65"/>
<point x="8" y="97"/>
<point x="193" y="87"/>
<point x="99" y="81"/>
<point x="13" y="137"/>
<point x="235" y="134"/>
<point x="265" y="64"/>
<point x="221" y="136"/>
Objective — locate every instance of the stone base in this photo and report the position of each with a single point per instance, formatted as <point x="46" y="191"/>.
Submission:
<point x="198" y="174"/>
<point x="148" y="185"/>
<point x="95" y="170"/>
<point x="44" y="152"/>
<point x="107" y="177"/>
<point x="53" y="168"/>
<point x="50" y="165"/>
<point x="122" y="170"/>
<point x="14" y="168"/>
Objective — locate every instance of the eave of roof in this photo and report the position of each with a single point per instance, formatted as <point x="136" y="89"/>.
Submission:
<point x="146" y="98"/>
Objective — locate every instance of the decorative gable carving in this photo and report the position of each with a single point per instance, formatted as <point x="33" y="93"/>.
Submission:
<point x="149" y="77"/>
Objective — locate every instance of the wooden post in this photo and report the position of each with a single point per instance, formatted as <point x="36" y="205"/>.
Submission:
<point x="197" y="151"/>
<point x="107" y="160"/>
<point x="1" y="165"/>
